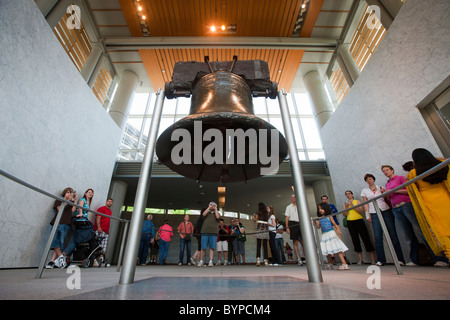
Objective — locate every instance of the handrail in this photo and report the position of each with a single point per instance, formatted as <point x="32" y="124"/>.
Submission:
<point x="30" y="186"/>
<point x="64" y="202"/>
<point x="379" y="214"/>
<point x="402" y="186"/>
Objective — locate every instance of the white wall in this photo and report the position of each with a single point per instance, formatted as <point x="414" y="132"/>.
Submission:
<point x="377" y="123"/>
<point x="53" y="131"/>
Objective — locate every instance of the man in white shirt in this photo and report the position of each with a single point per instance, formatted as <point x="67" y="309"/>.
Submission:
<point x="293" y="226"/>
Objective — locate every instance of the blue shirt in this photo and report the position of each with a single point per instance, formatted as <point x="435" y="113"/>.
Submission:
<point x="148" y="227"/>
<point x="334" y="210"/>
<point x="326" y="225"/>
<point x="84" y="212"/>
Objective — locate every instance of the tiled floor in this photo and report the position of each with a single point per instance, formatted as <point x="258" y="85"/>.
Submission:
<point x="227" y="282"/>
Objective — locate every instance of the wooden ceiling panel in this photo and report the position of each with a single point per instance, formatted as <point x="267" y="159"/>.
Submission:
<point x="159" y="63"/>
<point x="253" y="18"/>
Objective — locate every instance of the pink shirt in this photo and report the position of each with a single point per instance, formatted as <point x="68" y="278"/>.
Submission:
<point x="394" y="182"/>
<point x="166" y="232"/>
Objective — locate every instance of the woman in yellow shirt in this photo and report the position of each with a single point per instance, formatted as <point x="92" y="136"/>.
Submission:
<point x="357" y="227"/>
<point x="430" y="197"/>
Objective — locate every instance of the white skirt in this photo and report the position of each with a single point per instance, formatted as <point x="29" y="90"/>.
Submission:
<point x="331" y="243"/>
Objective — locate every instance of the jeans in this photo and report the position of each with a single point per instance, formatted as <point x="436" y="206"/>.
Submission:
<point x="273" y="248"/>
<point x="144" y="244"/>
<point x="407" y="221"/>
<point x="187" y="244"/>
<point x="389" y="220"/>
<point x="60" y="236"/>
<point x="279" y="242"/>
<point x="163" y="250"/>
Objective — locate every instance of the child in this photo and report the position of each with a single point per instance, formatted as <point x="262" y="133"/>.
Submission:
<point x="330" y="243"/>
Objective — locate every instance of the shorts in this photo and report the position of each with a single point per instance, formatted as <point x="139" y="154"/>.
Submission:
<point x="104" y="242"/>
<point x="294" y="228"/>
<point x="60" y="236"/>
<point x="222" y="246"/>
<point x="209" y="240"/>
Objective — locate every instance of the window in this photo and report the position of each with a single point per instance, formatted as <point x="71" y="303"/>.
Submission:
<point x="306" y="133"/>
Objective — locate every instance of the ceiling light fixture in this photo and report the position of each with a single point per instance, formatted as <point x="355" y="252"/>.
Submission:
<point x="222" y="29"/>
<point x="301" y="18"/>
<point x="141" y="13"/>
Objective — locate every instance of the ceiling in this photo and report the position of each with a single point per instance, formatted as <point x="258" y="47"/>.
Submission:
<point x="265" y="29"/>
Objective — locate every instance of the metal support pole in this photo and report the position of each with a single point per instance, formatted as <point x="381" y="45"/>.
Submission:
<point x="313" y="267"/>
<point x="122" y="245"/>
<point x="49" y="241"/>
<point x="388" y="238"/>
<point x="137" y="219"/>
<point x="319" y="248"/>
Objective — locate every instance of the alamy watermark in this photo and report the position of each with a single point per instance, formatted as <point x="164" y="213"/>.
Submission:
<point x="215" y="153"/>
<point x="74" y="19"/>
<point x="74" y="281"/>
<point x="374" y="19"/>
<point x="374" y="280"/>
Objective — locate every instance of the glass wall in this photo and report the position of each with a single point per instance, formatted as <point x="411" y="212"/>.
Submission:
<point x="307" y="135"/>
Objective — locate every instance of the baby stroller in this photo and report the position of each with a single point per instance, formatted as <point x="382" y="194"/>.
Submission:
<point x="87" y="244"/>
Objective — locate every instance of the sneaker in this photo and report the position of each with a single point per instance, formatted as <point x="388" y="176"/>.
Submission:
<point x="299" y="262"/>
<point x="379" y="264"/>
<point x="200" y="264"/>
<point x="193" y="261"/>
<point x="61" y="262"/>
<point x="411" y="264"/>
<point x="50" y="265"/>
<point x="441" y="264"/>
<point x="225" y="262"/>
<point x="180" y="264"/>
<point x="210" y="264"/>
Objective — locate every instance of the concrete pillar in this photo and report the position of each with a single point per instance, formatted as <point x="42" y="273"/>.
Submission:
<point x="120" y="107"/>
<point x="91" y="62"/>
<point x="57" y="12"/>
<point x="96" y="71"/>
<point x="117" y="191"/>
<point x="323" y="187"/>
<point x="348" y="62"/>
<point x="321" y="105"/>
<point x="46" y="6"/>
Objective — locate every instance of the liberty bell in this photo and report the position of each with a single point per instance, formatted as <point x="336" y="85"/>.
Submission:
<point x="221" y="139"/>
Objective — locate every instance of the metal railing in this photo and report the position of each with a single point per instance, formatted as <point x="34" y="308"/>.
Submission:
<point x="313" y="219"/>
<point x="378" y="211"/>
<point x="64" y="202"/>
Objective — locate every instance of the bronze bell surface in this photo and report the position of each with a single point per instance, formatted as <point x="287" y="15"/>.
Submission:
<point x="221" y="139"/>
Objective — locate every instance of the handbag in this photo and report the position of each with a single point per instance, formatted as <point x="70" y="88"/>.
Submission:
<point x="344" y="222"/>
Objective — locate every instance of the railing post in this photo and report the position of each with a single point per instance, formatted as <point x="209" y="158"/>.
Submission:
<point x="122" y="245"/>
<point x="388" y="238"/>
<point x="49" y="241"/>
<point x="319" y="248"/>
<point x="140" y="201"/>
<point x="312" y="265"/>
